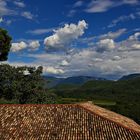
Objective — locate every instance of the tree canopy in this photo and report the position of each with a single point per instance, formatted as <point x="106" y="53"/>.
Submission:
<point x="5" y="44"/>
<point x="23" y="85"/>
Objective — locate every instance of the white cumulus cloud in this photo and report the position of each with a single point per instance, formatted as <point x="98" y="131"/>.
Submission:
<point x="34" y="45"/>
<point x="63" y="37"/>
<point x="29" y="45"/>
<point x="18" y="46"/>
<point x="53" y="70"/>
<point x="106" y="45"/>
<point x="135" y="36"/>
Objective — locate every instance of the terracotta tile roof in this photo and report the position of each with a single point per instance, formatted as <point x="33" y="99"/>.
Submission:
<point x="112" y="116"/>
<point x="59" y="122"/>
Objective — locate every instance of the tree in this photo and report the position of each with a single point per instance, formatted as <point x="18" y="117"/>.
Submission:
<point x="5" y="44"/>
<point x="20" y="84"/>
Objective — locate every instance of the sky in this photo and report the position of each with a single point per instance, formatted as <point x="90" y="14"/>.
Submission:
<point x="74" y="37"/>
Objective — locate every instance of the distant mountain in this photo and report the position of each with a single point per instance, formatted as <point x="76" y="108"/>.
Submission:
<point x="77" y="80"/>
<point x="51" y="81"/>
<point x="130" y="76"/>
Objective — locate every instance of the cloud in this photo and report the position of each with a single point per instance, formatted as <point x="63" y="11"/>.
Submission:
<point x="105" y="5"/>
<point x="53" y="70"/>
<point x="1" y="20"/>
<point x="64" y="63"/>
<point x="31" y="45"/>
<point x="107" y="42"/>
<point x="130" y="44"/>
<point x="4" y="21"/>
<point x="116" y="58"/>
<point x="130" y="2"/>
<point x="19" y="4"/>
<point x="63" y="37"/>
<point x="135" y="36"/>
<point x="106" y="45"/>
<point x="110" y="64"/>
<point x="122" y="19"/>
<point x="12" y="8"/>
<point x="93" y="41"/>
<point x="98" y="60"/>
<point x="102" y="65"/>
<point x="8" y="22"/>
<point x="72" y="13"/>
<point x="113" y="35"/>
<point x="99" y="6"/>
<point x="75" y="7"/>
<point x="40" y="31"/>
<point x="18" y="46"/>
<point x="136" y="29"/>
<point x="4" y="9"/>
<point x="78" y="4"/>
<point x="34" y="45"/>
<point x="136" y="46"/>
<point x="27" y="15"/>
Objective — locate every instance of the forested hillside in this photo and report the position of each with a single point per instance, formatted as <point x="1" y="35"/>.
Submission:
<point x="120" y="96"/>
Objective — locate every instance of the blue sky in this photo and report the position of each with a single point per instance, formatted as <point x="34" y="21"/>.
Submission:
<point x="74" y="37"/>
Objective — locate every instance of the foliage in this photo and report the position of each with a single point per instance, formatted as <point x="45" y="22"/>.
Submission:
<point x="5" y="44"/>
<point x="23" y="84"/>
<point x="3" y="101"/>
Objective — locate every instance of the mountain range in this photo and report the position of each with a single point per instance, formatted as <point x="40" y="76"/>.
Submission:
<point x="80" y="80"/>
<point x="130" y="76"/>
<point x="77" y="80"/>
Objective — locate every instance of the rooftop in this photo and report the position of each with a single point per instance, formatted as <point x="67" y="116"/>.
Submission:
<point x="64" y="122"/>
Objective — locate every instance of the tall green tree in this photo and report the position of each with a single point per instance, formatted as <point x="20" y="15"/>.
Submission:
<point x="5" y="44"/>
